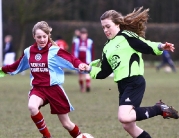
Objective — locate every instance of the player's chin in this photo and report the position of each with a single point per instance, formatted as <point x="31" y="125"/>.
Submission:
<point x="110" y="37"/>
<point x="42" y="45"/>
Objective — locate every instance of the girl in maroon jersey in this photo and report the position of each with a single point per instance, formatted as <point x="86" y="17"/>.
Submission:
<point x="46" y="61"/>
<point x="83" y="48"/>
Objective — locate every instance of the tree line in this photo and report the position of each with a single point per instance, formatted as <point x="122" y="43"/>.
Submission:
<point x="165" y="11"/>
<point x="20" y="13"/>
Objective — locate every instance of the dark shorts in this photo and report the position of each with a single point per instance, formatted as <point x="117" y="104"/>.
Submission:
<point x="55" y="96"/>
<point x="131" y="90"/>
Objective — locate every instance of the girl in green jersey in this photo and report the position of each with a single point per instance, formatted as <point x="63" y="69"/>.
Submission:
<point x="122" y="55"/>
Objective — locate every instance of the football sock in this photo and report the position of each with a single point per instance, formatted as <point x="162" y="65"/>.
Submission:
<point x="147" y="112"/>
<point x="88" y="82"/>
<point x="75" y="132"/>
<point x="144" y="135"/>
<point x="41" y="125"/>
<point x="81" y="84"/>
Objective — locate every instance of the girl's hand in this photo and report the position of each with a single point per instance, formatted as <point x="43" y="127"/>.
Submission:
<point x="95" y="62"/>
<point x="168" y="46"/>
<point x="84" y="67"/>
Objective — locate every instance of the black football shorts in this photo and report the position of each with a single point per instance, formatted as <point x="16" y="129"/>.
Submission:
<point x="131" y="90"/>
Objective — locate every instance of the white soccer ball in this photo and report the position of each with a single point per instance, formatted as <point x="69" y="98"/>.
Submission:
<point x="85" y="135"/>
<point x="168" y="69"/>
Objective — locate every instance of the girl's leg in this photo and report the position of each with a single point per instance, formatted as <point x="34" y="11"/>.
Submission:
<point x="88" y="82"/>
<point x="135" y="131"/>
<point x="127" y="114"/>
<point x="172" y="65"/>
<point x="127" y="117"/>
<point x="68" y="125"/>
<point x="34" y="103"/>
<point x="162" y="64"/>
<point x="81" y="82"/>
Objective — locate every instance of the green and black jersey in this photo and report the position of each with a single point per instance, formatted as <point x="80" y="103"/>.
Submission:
<point x="122" y="55"/>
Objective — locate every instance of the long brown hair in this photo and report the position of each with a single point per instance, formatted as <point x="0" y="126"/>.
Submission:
<point x="135" y="21"/>
<point x="44" y="27"/>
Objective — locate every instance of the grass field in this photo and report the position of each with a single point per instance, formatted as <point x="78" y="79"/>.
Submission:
<point x="95" y="112"/>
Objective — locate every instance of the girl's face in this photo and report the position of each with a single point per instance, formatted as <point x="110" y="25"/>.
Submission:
<point x="84" y="36"/>
<point x="41" y="38"/>
<point x="110" y="28"/>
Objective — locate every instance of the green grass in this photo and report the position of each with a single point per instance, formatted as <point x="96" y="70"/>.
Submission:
<point x="95" y="112"/>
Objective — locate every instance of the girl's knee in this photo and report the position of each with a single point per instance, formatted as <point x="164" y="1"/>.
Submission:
<point x="126" y="114"/>
<point x="33" y="109"/>
<point x="128" y="126"/>
<point x="123" y="119"/>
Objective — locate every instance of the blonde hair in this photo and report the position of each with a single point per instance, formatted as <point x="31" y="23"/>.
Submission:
<point x="135" y="21"/>
<point x="44" y="27"/>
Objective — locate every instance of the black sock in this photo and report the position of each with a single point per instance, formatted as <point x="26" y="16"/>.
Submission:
<point x="144" y="135"/>
<point x="147" y="112"/>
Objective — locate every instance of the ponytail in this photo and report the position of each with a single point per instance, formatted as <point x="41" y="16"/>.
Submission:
<point x="136" y="21"/>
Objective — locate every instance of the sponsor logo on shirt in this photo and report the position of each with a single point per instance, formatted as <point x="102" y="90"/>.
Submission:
<point x="38" y="67"/>
<point x="115" y="61"/>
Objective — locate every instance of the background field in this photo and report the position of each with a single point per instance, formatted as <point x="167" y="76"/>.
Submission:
<point x="95" y="112"/>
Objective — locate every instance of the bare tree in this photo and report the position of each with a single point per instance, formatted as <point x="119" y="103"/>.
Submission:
<point x="23" y="12"/>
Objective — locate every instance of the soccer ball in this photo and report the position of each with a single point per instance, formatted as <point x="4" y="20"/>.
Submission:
<point x="168" y="69"/>
<point x="85" y="135"/>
